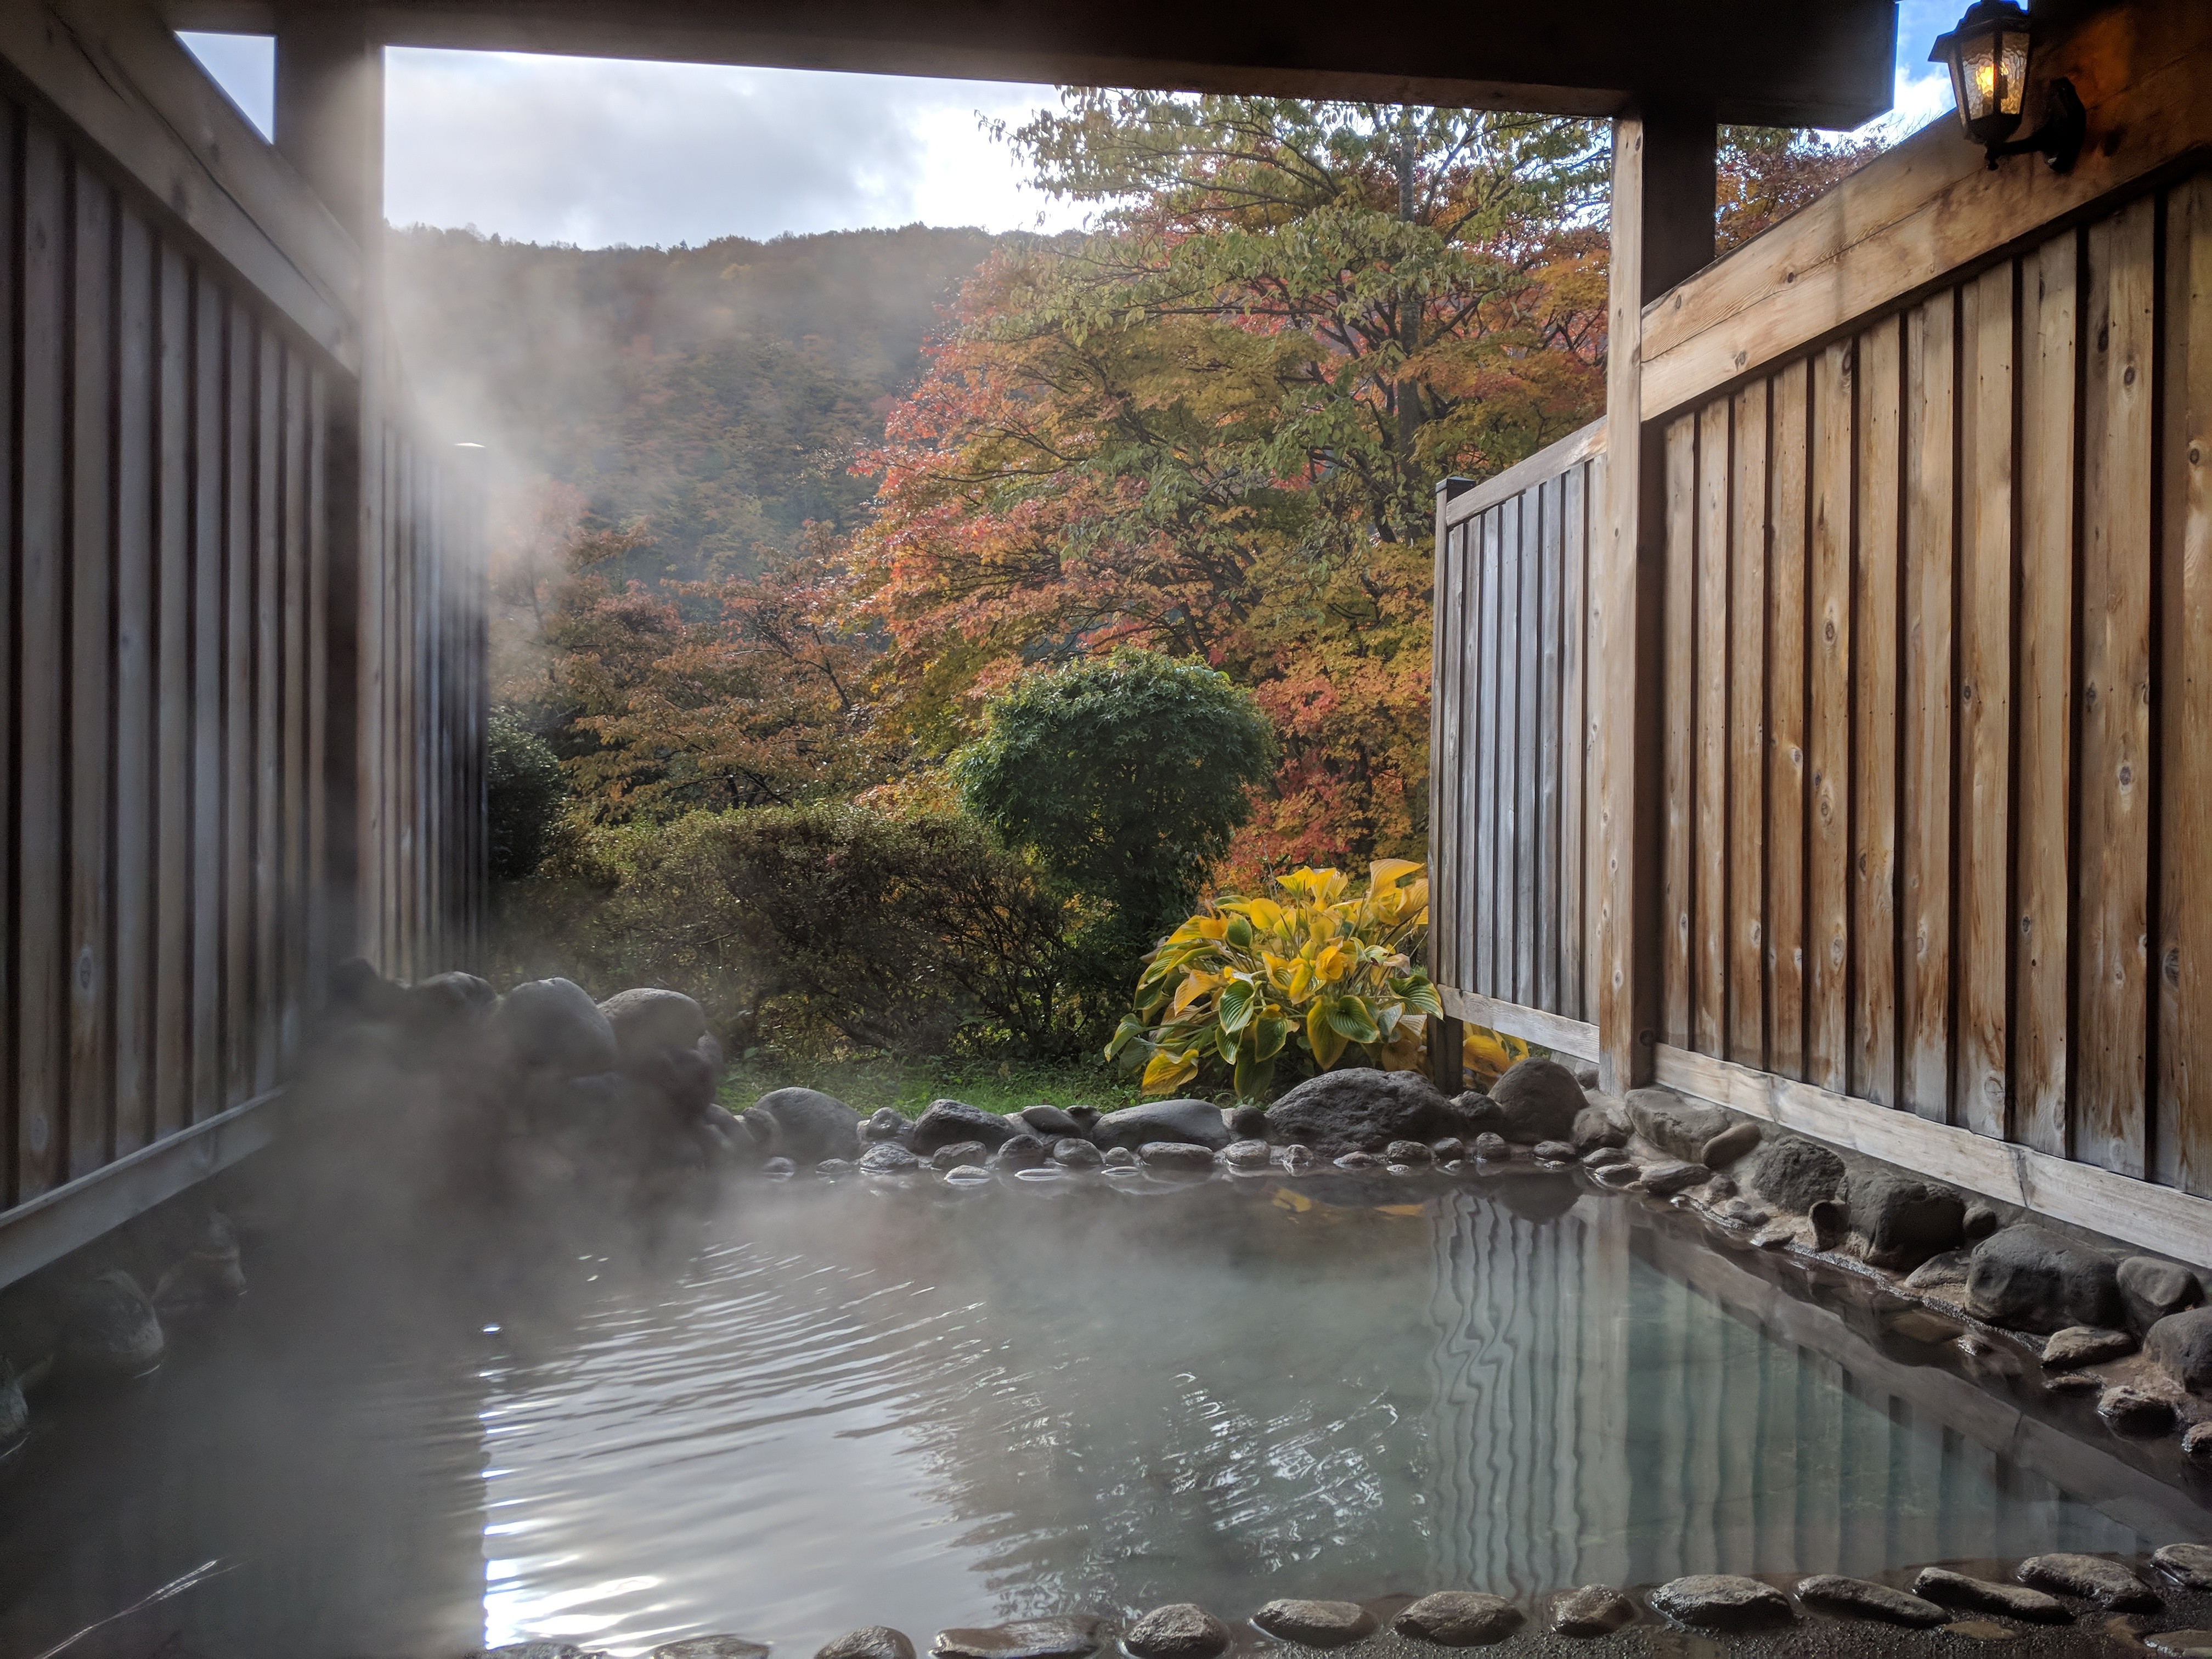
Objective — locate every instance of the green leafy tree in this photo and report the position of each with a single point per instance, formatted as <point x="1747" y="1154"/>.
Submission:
<point x="523" y="781"/>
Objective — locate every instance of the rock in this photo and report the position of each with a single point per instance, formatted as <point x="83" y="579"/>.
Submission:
<point x="2084" y="1344"/>
<point x="833" y="1166"/>
<point x="810" y="1125"/>
<point x="876" y="1642"/>
<point x="1794" y="1175"/>
<point x="1073" y="1154"/>
<point x="1584" y="1074"/>
<point x="1904" y="1222"/>
<point x="1722" y="1600"/>
<point x="889" y="1123"/>
<point x="2092" y="1578"/>
<point x="1409" y="1152"/>
<point x="2132" y="1412"/>
<point x="959" y="1152"/>
<point x="1317" y="1624"/>
<point x="1677" y="1127"/>
<point x="1249" y="1122"/>
<point x="1555" y="1152"/>
<point x="1831" y="1224"/>
<point x="15" y="1410"/>
<point x="1620" y="1175"/>
<point x="1048" y="1123"/>
<point x="950" y="1123"/>
<point x="1597" y="1125"/>
<point x="1665" y="1180"/>
<point x="107" y="1326"/>
<point x="1491" y="1148"/>
<point x="446" y="1002"/>
<point x="1742" y="1212"/>
<point x="778" y="1169"/>
<point x="1360" y="1161"/>
<point x="1026" y="1638"/>
<point x="711" y="1647"/>
<point x="1956" y="1590"/>
<point x="2151" y="1289"/>
<point x="888" y="1157"/>
<point x="1447" y="1149"/>
<point x="1599" y="1156"/>
<point x="2185" y="1643"/>
<point x="1944" y="1272"/>
<point x="1470" y="1113"/>
<point x="1247" y="1154"/>
<point x="647" y="1018"/>
<point x="967" y="1175"/>
<point x="2189" y="1565"/>
<point x="554" y="1024"/>
<point x="1719" y="1185"/>
<point x="1735" y="1141"/>
<point x="1358" y="1109"/>
<point x="1296" y="1157"/>
<point x="534" y="1651"/>
<point x="1175" y="1154"/>
<point x="1539" y="1099"/>
<point x="2197" y="1441"/>
<point x="207" y="1274"/>
<point x="1193" y="1122"/>
<point x="1021" y="1151"/>
<point x="1118" y="1158"/>
<point x="2181" y="1346"/>
<point x="2030" y="1279"/>
<point x="1181" y="1630"/>
<point x="1833" y="1594"/>
<point x="2065" y="1383"/>
<point x="1980" y="1221"/>
<point x="1592" y="1610"/>
<point x="1459" y="1619"/>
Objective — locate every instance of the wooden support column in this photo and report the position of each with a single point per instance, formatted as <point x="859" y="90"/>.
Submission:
<point x="1663" y="197"/>
<point x="330" y="126"/>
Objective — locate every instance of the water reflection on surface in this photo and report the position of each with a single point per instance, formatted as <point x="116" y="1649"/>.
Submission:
<point x="858" y="1405"/>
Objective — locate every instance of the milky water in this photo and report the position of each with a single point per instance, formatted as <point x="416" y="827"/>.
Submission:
<point x="832" y="1405"/>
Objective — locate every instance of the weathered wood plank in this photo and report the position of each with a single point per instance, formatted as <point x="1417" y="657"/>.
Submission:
<point x="1709" y="858"/>
<point x="1981" y="1100"/>
<point x="1527" y="758"/>
<point x="90" y="324"/>
<point x="136" y="713"/>
<point x="1509" y="749"/>
<point x="1574" y="719"/>
<point x="1553" y="1031"/>
<point x="1785" y="728"/>
<point x="1548" y="699"/>
<point x="1677" y="711"/>
<point x="1747" y="763"/>
<point x="1552" y="461"/>
<point x="1484" y="768"/>
<point x="1930" y="484"/>
<point x="296" y="895"/>
<point x="1447" y="653"/>
<point x="173" y="795"/>
<point x="322" y="783"/>
<point x="2184" y="1136"/>
<point x="238" y="631"/>
<point x="209" y="313"/>
<point x="16" y="1107"/>
<point x="1594" y="871"/>
<point x="2044" y="789"/>
<point x="1875" y="706"/>
<point x="267" y="859"/>
<point x="2111" y="971"/>
<point x="1828" y="725"/>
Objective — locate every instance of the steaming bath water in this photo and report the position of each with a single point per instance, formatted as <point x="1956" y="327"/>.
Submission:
<point x="839" y="1405"/>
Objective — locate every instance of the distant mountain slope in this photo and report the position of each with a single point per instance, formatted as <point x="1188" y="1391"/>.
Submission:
<point x="720" y="390"/>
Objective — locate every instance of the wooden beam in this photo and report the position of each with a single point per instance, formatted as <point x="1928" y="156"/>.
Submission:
<point x="1545" y="464"/>
<point x="1553" y="1031"/>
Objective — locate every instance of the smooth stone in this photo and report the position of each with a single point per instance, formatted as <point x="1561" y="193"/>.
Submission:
<point x="1360" y="1161"/>
<point x="1317" y="1624"/>
<point x="2197" y="1441"/>
<point x="1620" y="1175"/>
<point x="1599" y="1158"/>
<point x="833" y="1166"/>
<point x="2084" y="1344"/>
<point x="1596" y="1127"/>
<point x="1833" y="1594"/>
<point x="1358" y="1109"/>
<point x="1742" y="1212"/>
<point x="1181" y="1630"/>
<point x="809" y="1125"/>
<point x="967" y="1175"/>
<point x="960" y="1152"/>
<point x="1904" y="1222"/>
<point x="1831" y="1223"/>
<point x="1175" y="1154"/>
<point x="1982" y="1630"/>
<point x="952" y="1122"/>
<point x="108" y="1327"/>
<point x="778" y="1169"/>
<point x="1459" y="1619"/>
<point x="1664" y="1180"/>
<point x="1592" y="1610"/>
<point x="1980" y="1221"/>
<point x="2181" y="1346"/>
<point x="1044" y="1173"/>
<point x="648" y="1017"/>
<point x="1735" y="1141"/>
<point x="1024" y="1638"/>
<point x="888" y="1157"/>
<point x="2188" y="1644"/>
<point x="1119" y="1157"/>
<point x="2191" y="1563"/>
<point x="2151" y="1289"/>
<point x="1677" y="1127"/>
<point x="1247" y="1155"/>
<point x="1021" y="1151"/>
<point x="1794" y="1175"/>
<point x="1444" y="1151"/>
<point x="1722" y="1600"/>
<point x="889" y="1123"/>
<point x="874" y="1642"/>
<point x="1048" y="1123"/>
<point x="1539" y="1099"/>
<point x="2031" y="1279"/>
<point x="1944" y="1272"/>
<point x="1249" y="1122"/>
<point x="713" y="1647"/>
<point x="1195" y="1123"/>
<point x="2092" y="1577"/>
<point x="2131" y="1412"/>
<point x="1296" y="1157"/>
<point x="1958" y="1589"/>
<point x="1555" y="1152"/>
<point x="1409" y="1152"/>
<point x="554" y="1024"/>
<point x="2073" y="1383"/>
<point x="1073" y="1154"/>
<point x="1491" y="1147"/>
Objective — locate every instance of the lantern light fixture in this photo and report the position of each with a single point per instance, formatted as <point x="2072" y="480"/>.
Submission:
<point x="1987" y="55"/>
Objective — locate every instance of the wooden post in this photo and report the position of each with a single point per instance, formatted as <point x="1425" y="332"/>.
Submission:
<point x="330" y="126"/>
<point x="1447" y="1035"/>
<point x="1663" y="195"/>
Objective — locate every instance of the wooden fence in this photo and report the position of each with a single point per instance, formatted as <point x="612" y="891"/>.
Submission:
<point x="1933" y="547"/>
<point x="241" y="650"/>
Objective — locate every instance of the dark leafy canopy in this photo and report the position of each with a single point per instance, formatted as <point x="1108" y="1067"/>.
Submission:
<point x="523" y="781"/>
<point x="1124" y="775"/>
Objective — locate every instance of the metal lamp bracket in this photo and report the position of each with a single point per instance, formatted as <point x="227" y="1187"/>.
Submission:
<point x="2058" y="140"/>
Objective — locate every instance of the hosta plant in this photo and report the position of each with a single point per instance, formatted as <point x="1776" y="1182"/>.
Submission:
<point x="1316" y="971"/>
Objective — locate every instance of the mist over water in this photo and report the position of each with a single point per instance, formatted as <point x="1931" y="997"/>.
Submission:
<point x="828" y="1405"/>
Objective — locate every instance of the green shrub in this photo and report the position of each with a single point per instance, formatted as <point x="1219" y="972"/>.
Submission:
<point x="525" y="791"/>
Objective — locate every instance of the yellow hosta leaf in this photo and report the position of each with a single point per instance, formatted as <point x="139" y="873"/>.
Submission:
<point x="1194" y="988"/>
<point x="1165" y="1070"/>
<point x="1326" y="1042"/>
<point x="1266" y="916"/>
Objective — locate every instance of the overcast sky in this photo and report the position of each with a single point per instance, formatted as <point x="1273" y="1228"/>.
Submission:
<point x="569" y="149"/>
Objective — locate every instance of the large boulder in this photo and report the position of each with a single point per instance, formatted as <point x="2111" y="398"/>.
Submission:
<point x="446" y="1001"/>
<point x="108" y="1327"/>
<point x="554" y="1025"/>
<point x="1677" y="1127"/>
<point x="680" y="1077"/>
<point x="1904" y="1222"/>
<point x="1048" y="1123"/>
<point x="647" y="1018"/>
<point x="949" y="1122"/>
<point x="1539" y="1100"/>
<point x="1794" y="1175"/>
<point x="2181" y="1346"/>
<point x="1194" y="1123"/>
<point x="2153" y="1289"/>
<point x="2030" y="1279"/>
<point x="1358" y="1110"/>
<point x="809" y="1125"/>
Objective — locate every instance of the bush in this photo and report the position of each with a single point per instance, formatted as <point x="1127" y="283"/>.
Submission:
<point x="1310" y="970"/>
<point x="525" y="791"/>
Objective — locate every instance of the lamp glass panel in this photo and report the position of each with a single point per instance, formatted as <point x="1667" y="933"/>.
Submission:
<point x="2012" y="70"/>
<point x="1978" y="74"/>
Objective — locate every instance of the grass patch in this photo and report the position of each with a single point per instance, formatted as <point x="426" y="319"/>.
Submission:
<point x="910" y="1085"/>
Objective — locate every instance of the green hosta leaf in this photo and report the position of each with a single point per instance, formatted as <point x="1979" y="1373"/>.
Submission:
<point x="1269" y="1033"/>
<point x="1253" y="1076"/>
<point x="1239" y="933"/>
<point x="1131" y="1030"/>
<point x="1352" y="1019"/>
<point x="1240" y="1002"/>
<point x="1226" y="1043"/>
<point x="1420" y="994"/>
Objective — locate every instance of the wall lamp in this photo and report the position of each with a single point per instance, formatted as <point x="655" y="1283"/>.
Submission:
<point x="1987" y="55"/>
